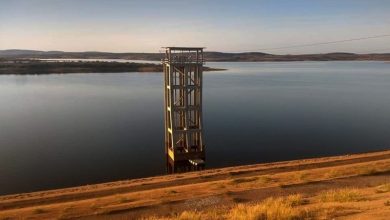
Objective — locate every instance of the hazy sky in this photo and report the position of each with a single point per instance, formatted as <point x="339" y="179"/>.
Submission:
<point x="233" y="26"/>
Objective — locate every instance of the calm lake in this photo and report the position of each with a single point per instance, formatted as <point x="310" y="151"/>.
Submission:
<point x="68" y="130"/>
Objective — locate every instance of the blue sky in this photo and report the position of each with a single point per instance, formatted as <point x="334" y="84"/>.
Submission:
<point x="231" y="26"/>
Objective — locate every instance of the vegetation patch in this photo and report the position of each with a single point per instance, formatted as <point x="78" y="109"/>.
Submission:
<point x="383" y="188"/>
<point x="94" y="206"/>
<point x="39" y="211"/>
<point x="341" y="195"/>
<point x="335" y="211"/>
<point x="265" y="179"/>
<point x="220" y="186"/>
<point x="377" y="168"/>
<point x="333" y="173"/>
<point x="368" y="171"/>
<point x="302" y="176"/>
<point x="235" y="173"/>
<point x="206" y="177"/>
<point x="188" y="215"/>
<point x="282" y="208"/>
<point x="372" y="169"/>
<point x="68" y="208"/>
<point x="239" y="200"/>
<point x="124" y="199"/>
<point x="44" y="67"/>
<point x="244" y="180"/>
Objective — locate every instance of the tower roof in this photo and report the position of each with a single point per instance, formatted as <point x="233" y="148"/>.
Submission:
<point x="184" y="48"/>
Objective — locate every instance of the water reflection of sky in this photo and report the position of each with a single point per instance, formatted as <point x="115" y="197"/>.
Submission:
<point x="65" y="130"/>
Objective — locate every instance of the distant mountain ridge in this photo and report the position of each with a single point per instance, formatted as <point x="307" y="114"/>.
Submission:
<point x="209" y="55"/>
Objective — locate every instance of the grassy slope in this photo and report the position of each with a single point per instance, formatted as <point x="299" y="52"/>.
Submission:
<point x="216" y="193"/>
<point x="345" y="203"/>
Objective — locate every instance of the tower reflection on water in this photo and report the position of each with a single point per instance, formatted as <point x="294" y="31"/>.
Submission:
<point x="183" y="73"/>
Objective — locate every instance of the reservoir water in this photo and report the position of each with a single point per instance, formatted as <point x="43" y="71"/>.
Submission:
<point x="74" y="129"/>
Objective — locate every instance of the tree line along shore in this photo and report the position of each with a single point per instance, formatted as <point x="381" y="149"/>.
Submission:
<point x="24" y="67"/>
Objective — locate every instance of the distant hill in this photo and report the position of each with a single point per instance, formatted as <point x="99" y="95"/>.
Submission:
<point x="210" y="56"/>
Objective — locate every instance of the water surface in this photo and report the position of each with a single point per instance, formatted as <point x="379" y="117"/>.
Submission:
<point x="67" y="130"/>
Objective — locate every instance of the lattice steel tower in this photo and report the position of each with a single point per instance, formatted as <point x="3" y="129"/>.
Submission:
<point x="183" y="68"/>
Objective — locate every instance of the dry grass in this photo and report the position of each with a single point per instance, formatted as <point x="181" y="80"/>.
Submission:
<point x="282" y="208"/>
<point x="377" y="168"/>
<point x="333" y="211"/>
<point x="383" y="188"/>
<point x="154" y="218"/>
<point x="341" y="195"/>
<point x="122" y="199"/>
<point x="65" y="212"/>
<point x="372" y="169"/>
<point x="38" y="211"/>
<point x="295" y="200"/>
<point x="369" y="171"/>
<point x="188" y="215"/>
<point x="128" y="195"/>
<point x="94" y="206"/>
<point x="265" y="179"/>
<point x="302" y="176"/>
<point x="332" y="173"/>
<point x="244" y="180"/>
<point x="292" y="207"/>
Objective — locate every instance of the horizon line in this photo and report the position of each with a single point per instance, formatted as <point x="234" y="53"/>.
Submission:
<point x="229" y="52"/>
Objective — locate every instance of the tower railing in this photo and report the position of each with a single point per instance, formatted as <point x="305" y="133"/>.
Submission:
<point x="181" y="55"/>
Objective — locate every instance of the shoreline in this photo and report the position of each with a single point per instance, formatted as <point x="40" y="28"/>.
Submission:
<point x="43" y="67"/>
<point x="35" y="67"/>
<point x="223" y="186"/>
